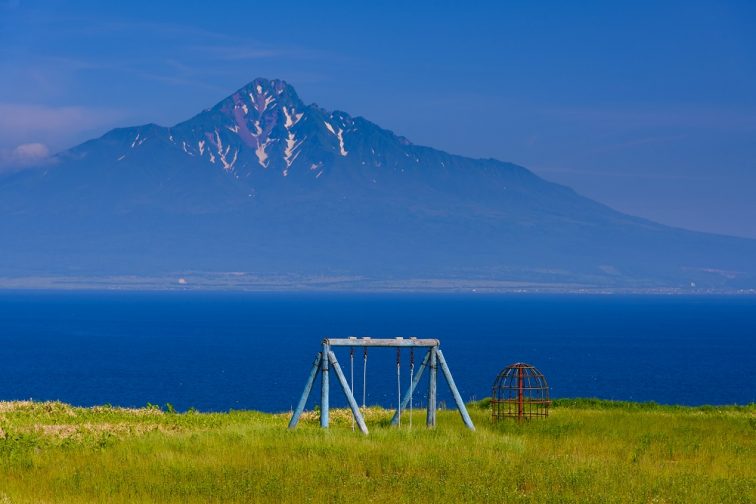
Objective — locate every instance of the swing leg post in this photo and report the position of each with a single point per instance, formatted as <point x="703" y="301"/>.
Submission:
<point x="348" y="393"/>
<point x="324" y="387"/>
<point x="351" y="376"/>
<point x="430" y="419"/>
<point x="411" y="388"/>
<point x="457" y="398"/>
<point x="306" y="394"/>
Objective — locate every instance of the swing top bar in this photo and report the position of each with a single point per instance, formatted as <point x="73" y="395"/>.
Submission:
<point x="381" y="342"/>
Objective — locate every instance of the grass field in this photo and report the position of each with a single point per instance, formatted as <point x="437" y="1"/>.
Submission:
<point x="586" y="451"/>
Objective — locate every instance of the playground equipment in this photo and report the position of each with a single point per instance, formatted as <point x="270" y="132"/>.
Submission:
<point x="520" y="391"/>
<point x="326" y="359"/>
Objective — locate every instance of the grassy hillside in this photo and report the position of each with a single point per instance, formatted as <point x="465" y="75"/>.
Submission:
<point x="586" y="451"/>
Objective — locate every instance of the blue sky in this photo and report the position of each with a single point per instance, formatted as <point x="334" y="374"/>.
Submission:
<point x="649" y="107"/>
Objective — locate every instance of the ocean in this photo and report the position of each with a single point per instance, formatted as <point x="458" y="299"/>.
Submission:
<point x="221" y="351"/>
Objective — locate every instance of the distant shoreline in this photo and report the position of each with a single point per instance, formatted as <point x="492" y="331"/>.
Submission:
<point x="243" y="282"/>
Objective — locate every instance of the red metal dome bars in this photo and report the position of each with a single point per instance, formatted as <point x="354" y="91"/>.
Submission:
<point x="520" y="391"/>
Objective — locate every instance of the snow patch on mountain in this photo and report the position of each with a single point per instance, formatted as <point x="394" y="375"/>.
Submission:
<point x="340" y="136"/>
<point x="291" y="118"/>
<point x="139" y="140"/>
<point x="262" y="156"/>
<point x="217" y="142"/>
<point x="291" y="145"/>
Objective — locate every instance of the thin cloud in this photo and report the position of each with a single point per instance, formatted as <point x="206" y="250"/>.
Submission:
<point x="32" y="123"/>
<point x="621" y="174"/>
<point x="42" y="118"/>
<point x="669" y="116"/>
<point x="174" y="36"/>
<point x="182" y="55"/>
<point x="236" y="53"/>
<point x="156" y="29"/>
<point x="24" y="156"/>
<point x="640" y="141"/>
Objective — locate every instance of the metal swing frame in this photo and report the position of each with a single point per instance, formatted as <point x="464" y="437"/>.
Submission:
<point x="326" y="359"/>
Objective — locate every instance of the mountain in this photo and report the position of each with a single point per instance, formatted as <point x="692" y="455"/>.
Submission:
<point x="264" y="185"/>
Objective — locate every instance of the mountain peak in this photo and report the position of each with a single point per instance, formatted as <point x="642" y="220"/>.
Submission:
<point x="273" y="87"/>
<point x="261" y="94"/>
<point x="264" y="127"/>
<point x="264" y="124"/>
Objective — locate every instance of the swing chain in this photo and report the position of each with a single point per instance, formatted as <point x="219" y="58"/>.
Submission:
<point x="364" y="375"/>
<point x="412" y="377"/>
<point x="399" y="383"/>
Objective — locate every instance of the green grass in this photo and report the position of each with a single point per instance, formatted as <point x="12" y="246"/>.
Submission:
<point x="586" y="451"/>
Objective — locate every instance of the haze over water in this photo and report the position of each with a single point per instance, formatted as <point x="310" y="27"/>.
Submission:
<point x="220" y="351"/>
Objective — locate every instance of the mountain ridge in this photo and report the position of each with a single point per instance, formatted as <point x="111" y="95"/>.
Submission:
<point x="262" y="183"/>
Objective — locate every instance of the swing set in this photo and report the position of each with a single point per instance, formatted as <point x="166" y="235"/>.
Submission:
<point x="433" y="359"/>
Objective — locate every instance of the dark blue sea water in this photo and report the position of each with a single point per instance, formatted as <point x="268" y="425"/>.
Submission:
<point x="253" y="351"/>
